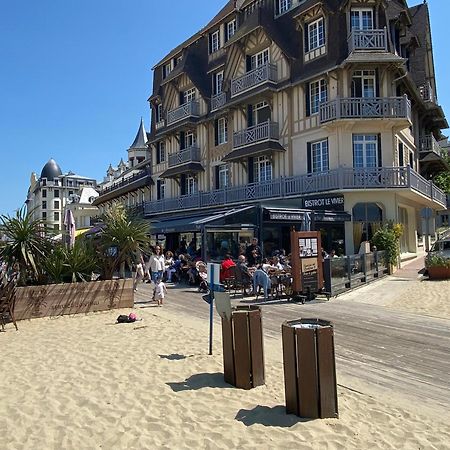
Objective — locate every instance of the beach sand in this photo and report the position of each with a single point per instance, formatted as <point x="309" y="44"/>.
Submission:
<point x="84" y="383"/>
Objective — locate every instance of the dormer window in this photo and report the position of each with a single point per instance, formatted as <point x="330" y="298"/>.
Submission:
<point x="214" y="42"/>
<point x="361" y="19"/>
<point x="231" y="29"/>
<point x="315" y="35"/>
<point x="167" y="68"/>
<point x="284" y="6"/>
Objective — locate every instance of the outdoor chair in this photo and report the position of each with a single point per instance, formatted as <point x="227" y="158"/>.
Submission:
<point x="242" y="282"/>
<point x="7" y="301"/>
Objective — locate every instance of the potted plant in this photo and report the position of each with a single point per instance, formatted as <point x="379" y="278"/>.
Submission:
<point x="438" y="267"/>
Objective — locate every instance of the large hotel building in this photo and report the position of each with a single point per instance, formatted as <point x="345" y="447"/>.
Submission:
<point x="284" y="113"/>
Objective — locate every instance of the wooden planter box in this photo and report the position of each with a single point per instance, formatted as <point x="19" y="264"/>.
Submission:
<point x="73" y="298"/>
<point x="438" y="273"/>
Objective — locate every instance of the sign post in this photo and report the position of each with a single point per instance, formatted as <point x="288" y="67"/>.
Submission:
<point x="214" y="286"/>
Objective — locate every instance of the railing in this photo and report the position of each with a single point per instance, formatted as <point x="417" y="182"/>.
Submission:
<point x="191" y="109"/>
<point x="428" y="143"/>
<point x="218" y="101"/>
<point x="285" y="187"/>
<point x="366" y="108"/>
<point x="258" y="133"/>
<point x="368" y="40"/>
<point x="160" y="124"/>
<point x="266" y="72"/>
<point x="191" y="154"/>
<point x="427" y="93"/>
<point x="124" y="182"/>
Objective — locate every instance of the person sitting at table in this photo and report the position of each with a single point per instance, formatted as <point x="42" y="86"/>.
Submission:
<point x="242" y="266"/>
<point x="276" y="263"/>
<point x="225" y="267"/>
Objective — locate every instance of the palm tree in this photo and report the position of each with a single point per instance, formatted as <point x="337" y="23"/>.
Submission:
<point x="123" y="237"/>
<point x="26" y="243"/>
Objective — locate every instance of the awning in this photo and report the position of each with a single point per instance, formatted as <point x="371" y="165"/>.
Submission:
<point x="191" y="167"/>
<point x="192" y="223"/>
<point x="254" y="150"/>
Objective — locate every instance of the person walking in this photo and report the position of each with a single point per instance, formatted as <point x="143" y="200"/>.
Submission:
<point x="159" y="292"/>
<point x="157" y="264"/>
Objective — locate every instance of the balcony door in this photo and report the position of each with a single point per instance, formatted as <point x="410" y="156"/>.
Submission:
<point x="187" y="139"/>
<point x="187" y="96"/>
<point x="364" y="84"/>
<point x="361" y="19"/>
<point x="258" y="113"/>
<point x="257" y="60"/>
<point x="366" y="151"/>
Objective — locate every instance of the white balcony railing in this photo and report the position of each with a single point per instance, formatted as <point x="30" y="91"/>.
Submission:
<point x="258" y="133"/>
<point x="429" y="144"/>
<point x="190" y="109"/>
<point x="260" y="75"/>
<point x="191" y="154"/>
<point x="366" y="108"/>
<point x="218" y="101"/>
<point x="160" y="124"/>
<point x="368" y="40"/>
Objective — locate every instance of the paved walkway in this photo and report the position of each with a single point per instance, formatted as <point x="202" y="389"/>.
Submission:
<point x="400" y="355"/>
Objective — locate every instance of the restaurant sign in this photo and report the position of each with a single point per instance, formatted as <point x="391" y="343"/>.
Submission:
<point x="286" y="216"/>
<point x="325" y="202"/>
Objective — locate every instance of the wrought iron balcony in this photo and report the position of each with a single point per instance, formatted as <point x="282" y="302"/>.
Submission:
<point x="429" y="144"/>
<point x="366" y="108"/>
<point x="258" y="133"/>
<point x="427" y="93"/>
<point x="265" y="73"/>
<point x="368" y="40"/>
<point x="218" y="101"/>
<point x="190" y="109"/>
<point x="399" y="178"/>
<point x="160" y="124"/>
<point x="191" y="154"/>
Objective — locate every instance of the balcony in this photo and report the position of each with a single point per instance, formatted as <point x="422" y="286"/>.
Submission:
<point x="266" y="73"/>
<point x="427" y="93"/>
<point x="218" y="101"/>
<point x="368" y="40"/>
<point x="258" y="133"/>
<point x="366" y="108"/>
<point x="188" y="155"/>
<point x="160" y="124"/>
<point x="186" y="111"/>
<point x="428" y="144"/>
<point x="378" y="178"/>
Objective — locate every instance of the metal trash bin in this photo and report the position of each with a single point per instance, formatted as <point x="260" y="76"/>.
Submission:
<point x="309" y="368"/>
<point x="243" y="353"/>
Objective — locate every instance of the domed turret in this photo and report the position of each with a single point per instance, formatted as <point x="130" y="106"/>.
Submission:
<point x="51" y="170"/>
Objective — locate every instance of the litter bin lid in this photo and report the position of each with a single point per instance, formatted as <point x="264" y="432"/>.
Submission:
<point x="310" y="326"/>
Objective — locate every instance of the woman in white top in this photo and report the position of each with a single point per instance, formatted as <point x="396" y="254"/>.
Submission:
<point x="157" y="264"/>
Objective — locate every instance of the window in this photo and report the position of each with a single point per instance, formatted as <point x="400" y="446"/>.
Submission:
<point x="316" y="34"/>
<point x="411" y="159"/>
<point x="190" y="139"/>
<point x="70" y="193"/>
<point x="361" y="19"/>
<point x="56" y="182"/>
<point x="191" y="185"/>
<point x="401" y="154"/>
<point x="214" y="43"/>
<point x="217" y="82"/>
<point x="56" y="215"/>
<point x="259" y="59"/>
<point x="167" y="68"/>
<point x="319" y="156"/>
<point x="56" y="193"/>
<point x="56" y="227"/>
<point x="318" y="92"/>
<point x="364" y="84"/>
<point x="161" y="189"/>
<point x="189" y="96"/>
<point x="262" y="169"/>
<point x="223" y="176"/>
<point x="159" y="113"/>
<point x="367" y="219"/>
<point x="56" y="204"/>
<point x="44" y="204"/>
<point x="260" y="113"/>
<point x="160" y="152"/>
<point x="44" y="182"/>
<point x="44" y="215"/>
<point x="284" y="6"/>
<point x="222" y="131"/>
<point x="365" y="150"/>
<point x="44" y="193"/>
<point x="231" y="28"/>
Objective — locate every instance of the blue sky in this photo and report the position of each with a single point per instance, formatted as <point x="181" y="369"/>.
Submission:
<point x="75" y="76"/>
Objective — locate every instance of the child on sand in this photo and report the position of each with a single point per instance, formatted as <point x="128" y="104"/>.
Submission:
<point x="159" y="292"/>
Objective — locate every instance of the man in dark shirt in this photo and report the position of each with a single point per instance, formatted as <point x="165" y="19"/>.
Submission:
<point x="253" y="253"/>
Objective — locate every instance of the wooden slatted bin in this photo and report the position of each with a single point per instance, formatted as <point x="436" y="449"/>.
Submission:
<point x="309" y="368"/>
<point x="243" y="354"/>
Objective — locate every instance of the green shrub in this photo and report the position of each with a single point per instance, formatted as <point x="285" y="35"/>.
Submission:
<point x="437" y="261"/>
<point x="387" y="238"/>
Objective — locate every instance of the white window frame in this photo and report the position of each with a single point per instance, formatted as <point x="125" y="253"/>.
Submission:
<point x="260" y="59"/>
<point x="366" y="154"/>
<point x="190" y="139"/>
<point x="167" y="68"/>
<point x="218" y="82"/>
<point x="159" y="113"/>
<point x="368" y="80"/>
<point x="231" y="28"/>
<point x="256" y="108"/>
<point x="318" y="93"/>
<point x="189" y="95"/>
<point x="263" y="170"/>
<point x="316" y="34"/>
<point x="222" y="131"/>
<point x="360" y="12"/>
<point x="191" y="185"/>
<point x="224" y="176"/>
<point x="215" y="42"/>
<point x="161" y="150"/>
<point x="162" y="188"/>
<point x="284" y="6"/>
<point x="319" y="156"/>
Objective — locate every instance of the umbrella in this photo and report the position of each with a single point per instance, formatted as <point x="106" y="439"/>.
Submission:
<point x="69" y="223"/>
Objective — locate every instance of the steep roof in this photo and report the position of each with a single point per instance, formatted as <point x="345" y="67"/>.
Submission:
<point x="140" y="141"/>
<point x="51" y="170"/>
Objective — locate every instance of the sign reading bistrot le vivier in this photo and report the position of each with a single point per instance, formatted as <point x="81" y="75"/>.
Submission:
<point x="325" y="202"/>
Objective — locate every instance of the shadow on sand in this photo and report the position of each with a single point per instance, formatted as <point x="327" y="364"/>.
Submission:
<point x="269" y="417"/>
<point x="200" y="381"/>
<point x="173" y="357"/>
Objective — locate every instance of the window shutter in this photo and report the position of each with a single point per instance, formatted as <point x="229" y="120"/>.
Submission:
<point x="307" y="100"/>
<point x="379" y="151"/>
<point x="249" y="115"/>
<point x="309" y="157"/>
<point x="216" y="132"/>
<point x="182" y="140"/>
<point x="251" y="169"/>
<point x="210" y="42"/>
<point x="183" y="184"/>
<point x="217" y="177"/>
<point x="158" y="190"/>
<point x="248" y="63"/>
<point x="305" y="37"/>
<point x="377" y="83"/>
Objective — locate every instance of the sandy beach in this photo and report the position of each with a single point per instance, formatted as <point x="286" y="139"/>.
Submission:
<point x="84" y="383"/>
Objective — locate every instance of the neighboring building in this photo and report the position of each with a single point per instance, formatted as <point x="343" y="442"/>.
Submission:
<point x="49" y="194"/>
<point x="82" y="208"/>
<point x="129" y="183"/>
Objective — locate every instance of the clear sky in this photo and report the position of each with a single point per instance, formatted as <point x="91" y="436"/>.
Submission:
<point x="75" y="76"/>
